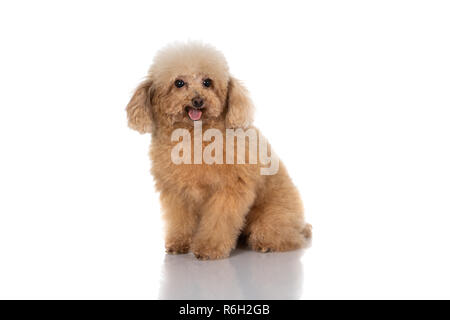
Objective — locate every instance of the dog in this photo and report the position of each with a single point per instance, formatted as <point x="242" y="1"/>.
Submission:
<point x="209" y="206"/>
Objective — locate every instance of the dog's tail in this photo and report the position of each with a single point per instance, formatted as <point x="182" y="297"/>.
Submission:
<point x="307" y="230"/>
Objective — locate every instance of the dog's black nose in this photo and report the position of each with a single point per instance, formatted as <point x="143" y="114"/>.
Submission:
<point x="197" y="102"/>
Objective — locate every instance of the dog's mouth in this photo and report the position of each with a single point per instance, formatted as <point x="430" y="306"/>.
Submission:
<point x="194" y="113"/>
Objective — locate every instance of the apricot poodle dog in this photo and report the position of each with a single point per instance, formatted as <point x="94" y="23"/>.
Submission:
<point x="209" y="206"/>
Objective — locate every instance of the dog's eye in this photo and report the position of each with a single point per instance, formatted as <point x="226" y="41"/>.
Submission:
<point x="179" y="83"/>
<point x="207" y="82"/>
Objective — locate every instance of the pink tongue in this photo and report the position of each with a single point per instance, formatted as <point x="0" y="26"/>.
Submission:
<point x="195" y="114"/>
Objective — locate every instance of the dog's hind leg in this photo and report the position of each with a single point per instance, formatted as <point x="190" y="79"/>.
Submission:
<point x="276" y="221"/>
<point x="270" y="232"/>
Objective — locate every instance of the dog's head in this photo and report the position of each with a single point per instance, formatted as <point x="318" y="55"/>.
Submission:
<point x="187" y="83"/>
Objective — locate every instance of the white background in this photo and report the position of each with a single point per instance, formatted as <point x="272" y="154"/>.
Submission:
<point x="353" y="95"/>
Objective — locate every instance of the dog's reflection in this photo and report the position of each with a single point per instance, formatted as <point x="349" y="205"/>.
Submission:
<point x="245" y="275"/>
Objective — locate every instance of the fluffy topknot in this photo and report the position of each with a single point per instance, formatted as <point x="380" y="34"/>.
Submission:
<point x="188" y="58"/>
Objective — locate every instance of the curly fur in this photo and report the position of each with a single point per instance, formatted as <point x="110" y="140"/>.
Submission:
<point x="207" y="207"/>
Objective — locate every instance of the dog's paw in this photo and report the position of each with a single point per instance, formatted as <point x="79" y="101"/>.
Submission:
<point x="260" y="244"/>
<point x="177" y="247"/>
<point x="207" y="251"/>
<point x="263" y="248"/>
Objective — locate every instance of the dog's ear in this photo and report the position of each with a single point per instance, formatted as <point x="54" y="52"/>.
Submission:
<point x="240" y="107"/>
<point x="139" y="108"/>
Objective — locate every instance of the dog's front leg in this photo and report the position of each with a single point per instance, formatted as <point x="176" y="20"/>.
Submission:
<point x="181" y="221"/>
<point x="222" y="218"/>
